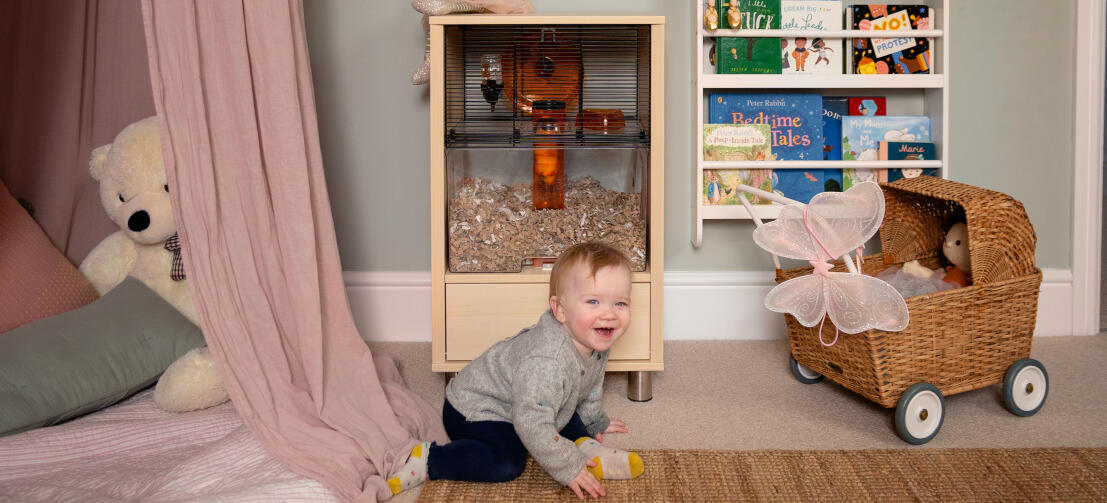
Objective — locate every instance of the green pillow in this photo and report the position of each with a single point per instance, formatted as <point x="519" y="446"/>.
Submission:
<point x="63" y="366"/>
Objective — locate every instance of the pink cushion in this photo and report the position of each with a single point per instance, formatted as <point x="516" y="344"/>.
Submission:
<point x="36" y="280"/>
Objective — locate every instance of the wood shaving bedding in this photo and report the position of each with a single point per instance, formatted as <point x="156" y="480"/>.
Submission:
<point x="493" y="227"/>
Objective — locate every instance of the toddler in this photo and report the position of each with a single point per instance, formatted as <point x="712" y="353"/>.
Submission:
<point x="540" y="390"/>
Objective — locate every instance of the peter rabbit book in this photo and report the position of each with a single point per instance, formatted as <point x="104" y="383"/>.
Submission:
<point x="753" y="54"/>
<point x="890" y="55"/>
<point x="798" y="184"/>
<point x="861" y="137"/>
<point x="719" y="185"/>
<point x="795" y="119"/>
<point x="811" y="54"/>
<point x="736" y="142"/>
<point x="797" y="132"/>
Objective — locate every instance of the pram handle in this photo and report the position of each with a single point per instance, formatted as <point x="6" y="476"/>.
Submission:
<point x="777" y="198"/>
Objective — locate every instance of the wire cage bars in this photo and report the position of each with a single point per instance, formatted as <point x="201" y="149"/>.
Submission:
<point x="578" y="86"/>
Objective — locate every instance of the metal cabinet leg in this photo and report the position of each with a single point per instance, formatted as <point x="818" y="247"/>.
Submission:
<point x="639" y="386"/>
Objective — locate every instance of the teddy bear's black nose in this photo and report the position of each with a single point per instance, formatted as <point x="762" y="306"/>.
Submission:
<point x="139" y="221"/>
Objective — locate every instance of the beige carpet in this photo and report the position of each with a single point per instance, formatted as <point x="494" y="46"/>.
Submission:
<point x="740" y="396"/>
<point x="874" y="475"/>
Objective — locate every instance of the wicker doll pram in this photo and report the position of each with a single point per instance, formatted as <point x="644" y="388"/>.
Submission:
<point x="957" y="340"/>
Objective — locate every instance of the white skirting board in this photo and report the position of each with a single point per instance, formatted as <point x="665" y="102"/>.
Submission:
<point x="395" y="306"/>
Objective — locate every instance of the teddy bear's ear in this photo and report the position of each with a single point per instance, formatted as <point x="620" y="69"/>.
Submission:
<point x="96" y="163"/>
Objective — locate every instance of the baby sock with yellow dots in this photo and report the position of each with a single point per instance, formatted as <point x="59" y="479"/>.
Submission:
<point x="414" y="472"/>
<point x="611" y="464"/>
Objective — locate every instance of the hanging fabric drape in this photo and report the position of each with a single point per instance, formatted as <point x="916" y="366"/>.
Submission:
<point x="74" y="75"/>
<point x="232" y="87"/>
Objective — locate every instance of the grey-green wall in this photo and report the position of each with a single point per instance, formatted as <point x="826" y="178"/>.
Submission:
<point x="1011" y="121"/>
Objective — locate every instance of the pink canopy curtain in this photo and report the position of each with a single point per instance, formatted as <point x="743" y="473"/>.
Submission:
<point x="74" y="75"/>
<point x="232" y="88"/>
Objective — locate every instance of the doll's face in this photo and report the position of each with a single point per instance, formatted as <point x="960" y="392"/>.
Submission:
<point x="956" y="246"/>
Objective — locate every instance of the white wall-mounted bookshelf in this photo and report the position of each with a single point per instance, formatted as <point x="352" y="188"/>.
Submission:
<point x="919" y="94"/>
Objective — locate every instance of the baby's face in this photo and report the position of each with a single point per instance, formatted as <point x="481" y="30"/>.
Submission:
<point x="595" y="310"/>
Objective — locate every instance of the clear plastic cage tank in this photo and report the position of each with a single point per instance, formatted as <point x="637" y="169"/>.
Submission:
<point x="547" y="142"/>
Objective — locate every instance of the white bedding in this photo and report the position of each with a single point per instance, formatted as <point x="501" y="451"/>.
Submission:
<point x="136" y="452"/>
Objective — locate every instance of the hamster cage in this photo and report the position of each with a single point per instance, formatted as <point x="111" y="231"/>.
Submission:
<point x="545" y="131"/>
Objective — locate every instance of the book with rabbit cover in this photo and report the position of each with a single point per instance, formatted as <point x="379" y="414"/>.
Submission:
<point x="861" y="137"/>
<point x="797" y="133"/>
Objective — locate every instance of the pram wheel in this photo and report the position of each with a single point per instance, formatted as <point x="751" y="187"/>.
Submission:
<point x="802" y="373"/>
<point x="919" y="413"/>
<point x="1025" y="387"/>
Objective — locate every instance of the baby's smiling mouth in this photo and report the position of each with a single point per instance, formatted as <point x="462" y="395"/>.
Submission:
<point x="605" y="331"/>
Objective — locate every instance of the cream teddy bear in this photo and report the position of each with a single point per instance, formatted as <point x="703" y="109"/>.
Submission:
<point x="135" y="194"/>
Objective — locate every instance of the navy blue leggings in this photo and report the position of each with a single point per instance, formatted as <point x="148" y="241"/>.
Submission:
<point x="484" y="451"/>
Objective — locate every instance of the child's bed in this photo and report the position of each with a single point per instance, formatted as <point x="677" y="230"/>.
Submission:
<point x="137" y="452"/>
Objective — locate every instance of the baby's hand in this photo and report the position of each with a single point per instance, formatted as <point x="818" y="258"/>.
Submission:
<point x="616" y="426"/>
<point x="584" y="480"/>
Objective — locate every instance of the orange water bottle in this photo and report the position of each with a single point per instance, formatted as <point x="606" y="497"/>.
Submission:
<point x="548" y="118"/>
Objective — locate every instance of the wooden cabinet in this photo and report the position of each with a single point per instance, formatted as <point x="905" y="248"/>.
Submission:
<point x="473" y="310"/>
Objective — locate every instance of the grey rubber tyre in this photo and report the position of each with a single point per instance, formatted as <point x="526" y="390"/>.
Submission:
<point x="920" y="413"/>
<point x="802" y="373"/>
<point x="1025" y="387"/>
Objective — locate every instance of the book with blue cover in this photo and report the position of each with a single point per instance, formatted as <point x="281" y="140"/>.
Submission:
<point x="908" y="151"/>
<point x="798" y="184"/>
<point x="795" y="120"/>
<point x="797" y="133"/>
<point x="862" y="134"/>
<point x="861" y="137"/>
<point x="833" y="111"/>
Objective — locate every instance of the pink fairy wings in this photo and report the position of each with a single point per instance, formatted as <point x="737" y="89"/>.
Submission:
<point x="832" y="225"/>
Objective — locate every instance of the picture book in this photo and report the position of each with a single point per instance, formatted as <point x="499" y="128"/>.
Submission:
<point x="862" y="134"/>
<point x="753" y="54"/>
<point x="832" y="180"/>
<point x="867" y="105"/>
<point x="890" y="55"/>
<point x="796" y="133"/>
<point x="851" y="177"/>
<point x="736" y="142"/>
<point x="719" y="185"/>
<point x="811" y="54"/>
<point x="798" y="184"/>
<point x="833" y="110"/>
<point x="906" y="151"/>
<point x="861" y="137"/>
<point x="795" y="119"/>
<point x="898" y="173"/>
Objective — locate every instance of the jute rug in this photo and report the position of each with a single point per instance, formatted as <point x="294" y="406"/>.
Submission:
<point x="1052" y="474"/>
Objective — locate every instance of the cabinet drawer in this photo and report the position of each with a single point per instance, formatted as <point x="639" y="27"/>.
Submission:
<point x="479" y="315"/>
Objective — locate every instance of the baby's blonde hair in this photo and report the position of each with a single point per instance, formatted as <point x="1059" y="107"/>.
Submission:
<point x="594" y="253"/>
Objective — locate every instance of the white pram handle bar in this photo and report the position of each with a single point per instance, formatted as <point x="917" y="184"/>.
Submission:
<point x="777" y="198"/>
